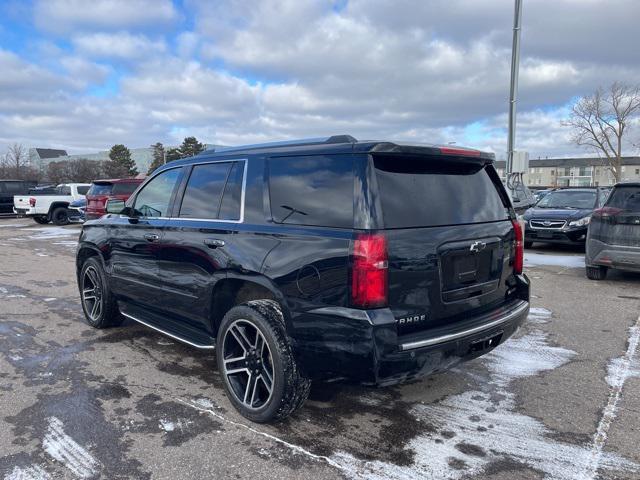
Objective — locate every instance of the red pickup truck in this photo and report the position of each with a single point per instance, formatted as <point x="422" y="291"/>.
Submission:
<point x="102" y="190"/>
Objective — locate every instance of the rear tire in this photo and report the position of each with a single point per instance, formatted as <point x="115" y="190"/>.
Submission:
<point x="596" y="273"/>
<point x="60" y="216"/>
<point x="98" y="303"/>
<point x="41" y="219"/>
<point x="528" y="243"/>
<point x="259" y="372"/>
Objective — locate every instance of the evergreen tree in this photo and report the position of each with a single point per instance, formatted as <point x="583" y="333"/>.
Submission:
<point x="174" y="154"/>
<point x="158" y="157"/>
<point x="190" y="147"/>
<point x="120" y="163"/>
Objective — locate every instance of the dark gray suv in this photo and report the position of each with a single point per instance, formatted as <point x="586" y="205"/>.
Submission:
<point x="613" y="240"/>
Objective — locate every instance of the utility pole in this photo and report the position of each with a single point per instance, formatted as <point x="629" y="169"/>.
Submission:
<point x="515" y="66"/>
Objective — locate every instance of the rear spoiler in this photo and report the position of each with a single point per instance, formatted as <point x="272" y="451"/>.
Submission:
<point x="462" y="155"/>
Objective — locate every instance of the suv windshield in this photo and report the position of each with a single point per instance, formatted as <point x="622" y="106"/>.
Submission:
<point x="569" y="199"/>
<point x="625" y="198"/>
<point x="420" y="192"/>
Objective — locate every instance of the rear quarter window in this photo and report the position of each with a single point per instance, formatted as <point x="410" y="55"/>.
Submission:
<point x="312" y="190"/>
<point x="429" y="192"/>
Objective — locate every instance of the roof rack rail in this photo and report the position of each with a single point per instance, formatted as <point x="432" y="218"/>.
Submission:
<point x="292" y="143"/>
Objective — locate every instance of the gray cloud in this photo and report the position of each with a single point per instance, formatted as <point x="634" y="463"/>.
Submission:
<point x="250" y="71"/>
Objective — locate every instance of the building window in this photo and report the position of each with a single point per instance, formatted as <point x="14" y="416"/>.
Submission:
<point x="637" y="171"/>
<point x="553" y="172"/>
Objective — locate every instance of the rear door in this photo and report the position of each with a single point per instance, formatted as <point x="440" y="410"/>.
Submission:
<point x="449" y="235"/>
<point x="198" y="245"/>
<point x="619" y="222"/>
<point x="97" y="197"/>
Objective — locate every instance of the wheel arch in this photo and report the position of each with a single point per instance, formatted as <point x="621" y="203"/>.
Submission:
<point x="236" y="289"/>
<point x="55" y="205"/>
<point x="86" y="251"/>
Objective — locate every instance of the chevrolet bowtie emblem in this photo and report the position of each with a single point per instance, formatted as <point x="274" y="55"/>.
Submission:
<point x="477" y="247"/>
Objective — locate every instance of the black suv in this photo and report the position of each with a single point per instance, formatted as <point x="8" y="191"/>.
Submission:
<point x="372" y="262"/>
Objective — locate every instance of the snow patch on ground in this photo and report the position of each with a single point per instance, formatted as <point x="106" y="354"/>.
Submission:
<point x="33" y="472"/>
<point x="538" y="259"/>
<point x="7" y="225"/>
<point x="47" y="233"/>
<point x="65" y="450"/>
<point x="539" y="315"/>
<point x="477" y="427"/>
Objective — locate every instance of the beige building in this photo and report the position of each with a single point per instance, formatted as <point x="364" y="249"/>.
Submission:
<point x="574" y="172"/>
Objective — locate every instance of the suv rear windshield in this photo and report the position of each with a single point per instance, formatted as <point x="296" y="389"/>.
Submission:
<point x="125" y="188"/>
<point x="625" y="198"/>
<point x="426" y="192"/>
<point x="100" y="189"/>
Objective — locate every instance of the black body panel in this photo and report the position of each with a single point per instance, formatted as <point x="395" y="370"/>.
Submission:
<point x="180" y="274"/>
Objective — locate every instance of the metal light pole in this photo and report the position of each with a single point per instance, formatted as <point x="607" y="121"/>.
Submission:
<point x="515" y="66"/>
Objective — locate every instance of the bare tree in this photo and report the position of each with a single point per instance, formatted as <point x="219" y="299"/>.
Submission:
<point x="601" y="122"/>
<point x="15" y="164"/>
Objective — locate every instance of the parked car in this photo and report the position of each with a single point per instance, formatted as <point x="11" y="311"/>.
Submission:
<point x="50" y="205"/>
<point x="9" y="188"/>
<point x="613" y="240"/>
<point x="562" y="216"/>
<point x="371" y="262"/>
<point x="102" y="190"/>
<point x="76" y="210"/>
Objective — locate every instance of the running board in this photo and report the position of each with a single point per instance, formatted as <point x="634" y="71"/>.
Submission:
<point x="168" y="334"/>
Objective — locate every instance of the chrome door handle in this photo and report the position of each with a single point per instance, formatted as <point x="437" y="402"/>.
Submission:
<point x="214" y="243"/>
<point x="151" y="237"/>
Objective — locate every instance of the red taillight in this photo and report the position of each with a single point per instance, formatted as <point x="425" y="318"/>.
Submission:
<point x="460" y="152"/>
<point x="369" y="275"/>
<point x="606" y="212"/>
<point x="518" y="258"/>
<point x="32" y="202"/>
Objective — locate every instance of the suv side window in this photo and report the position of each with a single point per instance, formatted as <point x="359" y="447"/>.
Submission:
<point x="155" y="198"/>
<point x="202" y="195"/>
<point x="83" y="189"/>
<point x="230" y="207"/>
<point x="312" y="190"/>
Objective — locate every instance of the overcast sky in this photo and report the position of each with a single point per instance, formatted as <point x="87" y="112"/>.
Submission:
<point x="83" y="75"/>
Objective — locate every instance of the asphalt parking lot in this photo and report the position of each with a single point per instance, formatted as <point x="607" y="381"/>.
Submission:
<point x="559" y="400"/>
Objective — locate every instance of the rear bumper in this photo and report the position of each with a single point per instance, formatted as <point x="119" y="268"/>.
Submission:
<point x="573" y="236"/>
<point x="363" y="346"/>
<point x="24" y="212"/>
<point x="615" y="256"/>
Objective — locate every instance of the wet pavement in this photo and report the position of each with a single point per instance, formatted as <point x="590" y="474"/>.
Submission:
<point x="559" y="400"/>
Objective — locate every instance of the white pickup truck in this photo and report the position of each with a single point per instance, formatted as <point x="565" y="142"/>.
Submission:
<point x="49" y="204"/>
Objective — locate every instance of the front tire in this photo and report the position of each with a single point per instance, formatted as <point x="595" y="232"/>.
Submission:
<point x="596" y="273"/>
<point x="41" y="219"/>
<point x="260" y="374"/>
<point x="98" y="303"/>
<point x="60" y="216"/>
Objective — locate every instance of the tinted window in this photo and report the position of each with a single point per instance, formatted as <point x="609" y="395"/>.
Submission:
<point x="625" y="198"/>
<point x="124" y="188"/>
<point x="420" y="192"/>
<point x="569" y="199"/>
<point x="13" y="188"/>
<point x="100" y="189"/>
<point x="83" y="190"/>
<point x="64" y="190"/>
<point x="230" y="207"/>
<point x="204" y="189"/>
<point x="154" y="199"/>
<point x="312" y="190"/>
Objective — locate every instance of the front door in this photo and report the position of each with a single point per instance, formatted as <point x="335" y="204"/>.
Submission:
<point x="135" y="242"/>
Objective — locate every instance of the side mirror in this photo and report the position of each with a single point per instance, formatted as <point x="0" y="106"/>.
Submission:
<point x="115" y="205"/>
